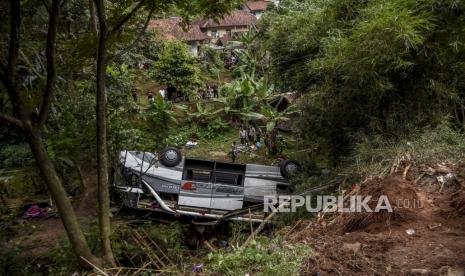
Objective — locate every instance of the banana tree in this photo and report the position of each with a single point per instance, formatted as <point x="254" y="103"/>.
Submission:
<point x="161" y="112"/>
<point x="161" y="116"/>
<point x="272" y="117"/>
<point x="228" y="106"/>
<point x="253" y="58"/>
<point x="202" y="115"/>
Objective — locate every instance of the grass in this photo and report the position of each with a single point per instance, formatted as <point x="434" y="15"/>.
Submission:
<point x="263" y="257"/>
<point x="219" y="146"/>
<point x="375" y="157"/>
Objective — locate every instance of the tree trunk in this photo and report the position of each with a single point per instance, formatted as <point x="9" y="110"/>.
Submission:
<point x="93" y="24"/>
<point x="102" y="151"/>
<point x="463" y="117"/>
<point x="58" y="193"/>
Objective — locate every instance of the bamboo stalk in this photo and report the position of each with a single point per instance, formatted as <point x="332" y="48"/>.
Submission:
<point x="94" y="266"/>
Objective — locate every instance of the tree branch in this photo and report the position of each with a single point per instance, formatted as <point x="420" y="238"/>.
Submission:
<point x="139" y="36"/>
<point x="50" y="54"/>
<point x="125" y="19"/>
<point x="12" y="120"/>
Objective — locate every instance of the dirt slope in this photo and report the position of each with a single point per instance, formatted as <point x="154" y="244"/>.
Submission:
<point x="363" y="244"/>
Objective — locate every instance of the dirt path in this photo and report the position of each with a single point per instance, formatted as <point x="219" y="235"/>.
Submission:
<point x="39" y="235"/>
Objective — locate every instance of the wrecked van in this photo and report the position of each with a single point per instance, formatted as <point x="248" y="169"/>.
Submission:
<point x="170" y="183"/>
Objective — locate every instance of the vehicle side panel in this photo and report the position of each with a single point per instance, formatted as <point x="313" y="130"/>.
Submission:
<point x="200" y="197"/>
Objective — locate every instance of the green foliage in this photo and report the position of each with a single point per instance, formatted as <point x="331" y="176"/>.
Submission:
<point x="262" y="257"/>
<point x="11" y="265"/>
<point x="211" y="64"/>
<point x="375" y="156"/>
<point x="369" y="67"/>
<point x="161" y="116"/>
<point x="246" y="94"/>
<point x="71" y="130"/>
<point x="216" y="128"/>
<point x="176" y="67"/>
<point x="202" y="115"/>
<point x="178" y="137"/>
<point x="252" y="58"/>
<point x="21" y="183"/>
<point x="18" y="155"/>
<point x="272" y="116"/>
<point x="171" y="237"/>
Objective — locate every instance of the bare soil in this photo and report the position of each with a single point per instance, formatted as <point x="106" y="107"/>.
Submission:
<point x="39" y="235"/>
<point x="367" y="244"/>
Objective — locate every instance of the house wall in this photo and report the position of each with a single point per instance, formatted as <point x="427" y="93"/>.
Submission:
<point x="222" y="31"/>
<point x="194" y="48"/>
<point x="258" y="14"/>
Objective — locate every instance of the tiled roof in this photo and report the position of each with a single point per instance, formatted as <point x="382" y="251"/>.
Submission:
<point x="235" y="18"/>
<point x="171" y="28"/>
<point x="257" y="5"/>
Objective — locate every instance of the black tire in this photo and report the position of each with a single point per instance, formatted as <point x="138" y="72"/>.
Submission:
<point x="170" y="157"/>
<point x="289" y="168"/>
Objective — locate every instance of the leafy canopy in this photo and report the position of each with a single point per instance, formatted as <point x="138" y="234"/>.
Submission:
<point x="177" y="67"/>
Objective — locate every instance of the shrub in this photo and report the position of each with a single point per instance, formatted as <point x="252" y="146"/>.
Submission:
<point x="263" y="257"/>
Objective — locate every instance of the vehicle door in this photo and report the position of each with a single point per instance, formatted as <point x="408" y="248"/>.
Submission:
<point x="228" y="186"/>
<point x="196" y="184"/>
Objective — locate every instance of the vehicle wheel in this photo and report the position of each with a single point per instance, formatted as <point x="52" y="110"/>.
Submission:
<point x="289" y="168"/>
<point x="170" y="157"/>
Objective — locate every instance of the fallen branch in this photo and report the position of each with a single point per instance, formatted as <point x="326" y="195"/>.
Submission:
<point x="250" y="220"/>
<point x="420" y="177"/>
<point x="394" y="166"/>
<point x="292" y="229"/>
<point x="275" y="211"/>
<point x="94" y="266"/>
<point x="209" y="246"/>
<point x="407" y="168"/>
<point x="264" y="222"/>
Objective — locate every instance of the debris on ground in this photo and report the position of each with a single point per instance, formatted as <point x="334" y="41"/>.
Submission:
<point x="410" y="232"/>
<point x="354" y="247"/>
<point x="153" y="251"/>
<point x="35" y="212"/>
<point x="191" y="144"/>
<point x="218" y="154"/>
<point x="40" y="210"/>
<point x="197" y="268"/>
<point x="365" y="244"/>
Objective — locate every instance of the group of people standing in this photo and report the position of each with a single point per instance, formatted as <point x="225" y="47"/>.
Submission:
<point x="170" y="93"/>
<point x="210" y="92"/>
<point x="173" y="94"/>
<point x="249" y="136"/>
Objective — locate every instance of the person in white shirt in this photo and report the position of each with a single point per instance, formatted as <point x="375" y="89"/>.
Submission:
<point x="162" y="92"/>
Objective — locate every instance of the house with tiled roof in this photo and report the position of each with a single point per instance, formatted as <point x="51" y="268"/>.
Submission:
<point x="256" y="8"/>
<point x="231" y="25"/>
<point x="172" y="28"/>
